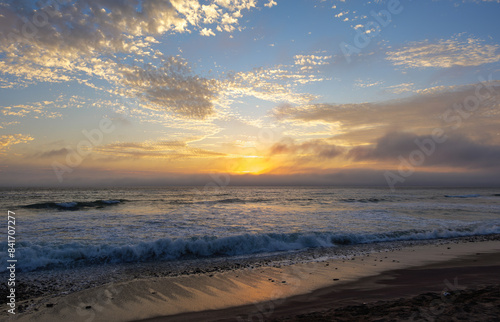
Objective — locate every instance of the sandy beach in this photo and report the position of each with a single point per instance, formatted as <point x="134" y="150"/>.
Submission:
<point x="263" y="289"/>
<point x="419" y="293"/>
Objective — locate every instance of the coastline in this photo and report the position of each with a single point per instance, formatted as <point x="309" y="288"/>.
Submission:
<point x="256" y="288"/>
<point x="423" y="292"/>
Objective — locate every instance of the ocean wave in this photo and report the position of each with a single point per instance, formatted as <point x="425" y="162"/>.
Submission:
<point x="74" y="205"/>
<point x="233" y="200"/>
<point x="463" y="196"/>
<point x="363" y="200"/>
<point x="37" y="256"/>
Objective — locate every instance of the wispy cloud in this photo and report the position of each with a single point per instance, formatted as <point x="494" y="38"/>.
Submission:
<point x="157" y="149"/>
<point x="401" y="88"/>
<point x="42" y="109"/>
<point x="445" y="53"/>
<point x="367" y="83"/>
<point x="276" y="84"/>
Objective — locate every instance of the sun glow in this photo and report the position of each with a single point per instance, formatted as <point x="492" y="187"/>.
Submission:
<point x="251" y="164"/>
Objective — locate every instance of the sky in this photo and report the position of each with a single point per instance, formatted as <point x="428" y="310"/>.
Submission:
<point x="218" y="92"/>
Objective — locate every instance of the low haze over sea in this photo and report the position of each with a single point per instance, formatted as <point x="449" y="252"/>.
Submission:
<point x="66" y="228"/>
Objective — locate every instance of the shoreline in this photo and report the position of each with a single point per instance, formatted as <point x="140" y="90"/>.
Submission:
<point x="149" y="297"/>
<point x="425" y="290"/>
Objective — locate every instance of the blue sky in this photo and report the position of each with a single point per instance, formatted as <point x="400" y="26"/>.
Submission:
<point x="253" y="88"/>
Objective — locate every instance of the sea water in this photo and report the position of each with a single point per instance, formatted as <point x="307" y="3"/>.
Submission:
<point x="64" y="228"/>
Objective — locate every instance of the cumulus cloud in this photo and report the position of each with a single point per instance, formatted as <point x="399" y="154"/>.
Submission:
<point x="445" y="53"/>
<point x="271" y="3"/>
<point x="207" y="32"/>
<point x="342" y="13"/>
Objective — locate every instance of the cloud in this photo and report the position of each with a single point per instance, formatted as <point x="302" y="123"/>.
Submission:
<point x="159" y="149"/>
<point x="53" y="153"/>
<point x="342" y="13"/>
<point x="368" y="83"/>
<point x="207" y="32"/>
<point x="36" y="109"/>
<point x="6" y="141"/>
<point x="43" y="109"/>
<point x="401" y="88"/>
<point x="456" y="151"/>
<point x="445" y="53"/>
<point x="170" y="87"/>
<point x="311" y="60"/>
<point x="317" y="148"/>
<point x="361" y="123"/>
<point x="271" y="3"/>
<point x="236" y="4"/>
<point x="59" y="39"/>
<point x="89" y="41"/>
<point x="114" y="26"/>
<point x="308" y="61"/>
<point x="276" y="84"/>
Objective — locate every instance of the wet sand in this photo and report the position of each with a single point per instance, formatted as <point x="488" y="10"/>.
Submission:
<point x="467" y="288"/>
<point x="284" y="292"/>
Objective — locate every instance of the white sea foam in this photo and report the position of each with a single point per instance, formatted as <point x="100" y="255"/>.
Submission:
<point x="36" y="256"/>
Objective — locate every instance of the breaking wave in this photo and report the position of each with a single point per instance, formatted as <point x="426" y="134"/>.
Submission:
<point x="42" y="256"/>
<point x="74" y="205"/>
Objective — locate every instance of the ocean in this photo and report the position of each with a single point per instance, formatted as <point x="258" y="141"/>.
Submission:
<point x="66" y="228"/>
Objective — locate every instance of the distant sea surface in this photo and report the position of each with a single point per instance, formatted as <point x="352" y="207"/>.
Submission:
<point x="63" y="228"/>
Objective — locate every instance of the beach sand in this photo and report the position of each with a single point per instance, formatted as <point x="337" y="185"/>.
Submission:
<point x="319" y="289"/>
<point x="467" y="288"/>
